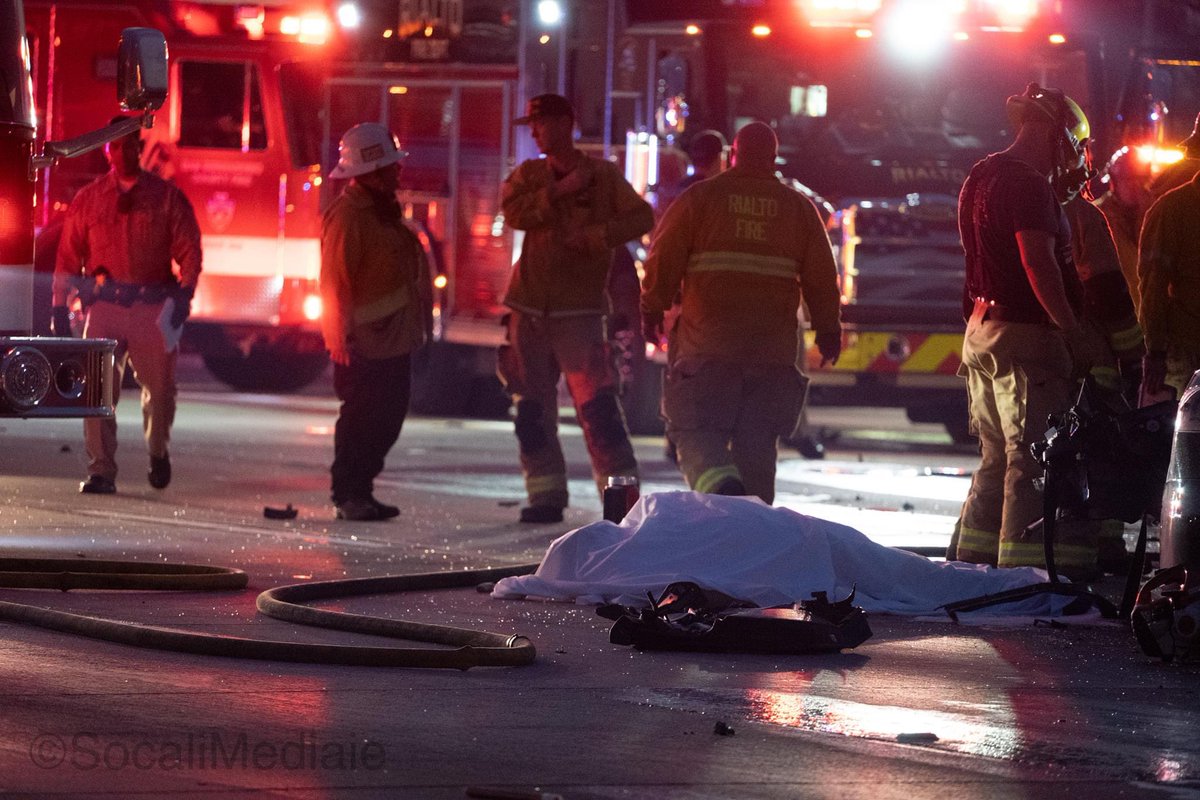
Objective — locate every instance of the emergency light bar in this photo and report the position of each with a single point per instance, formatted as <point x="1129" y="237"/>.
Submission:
<point x="1002" y="15"/>
<point x="839" y="13"/>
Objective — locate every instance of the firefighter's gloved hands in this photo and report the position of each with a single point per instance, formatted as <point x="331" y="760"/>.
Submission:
<point x="829" y="344"/>
<point x="574" y="181"/>
<point x="60" y="321"/>
<point x="1154" y="373"/>
<point x="652" y="327"/>
<point x="183" y="306"/>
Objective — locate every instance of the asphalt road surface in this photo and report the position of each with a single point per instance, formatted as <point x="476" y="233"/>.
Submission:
<point x="1011" y="708"/>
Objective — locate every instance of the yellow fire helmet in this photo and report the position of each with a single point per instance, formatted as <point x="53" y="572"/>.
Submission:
<point x="1054" y="106"/>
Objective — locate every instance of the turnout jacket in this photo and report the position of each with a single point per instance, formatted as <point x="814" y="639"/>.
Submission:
<point x="1106" y="296"/>
<point x="551" y="279"/>
<point x="1169" y="270"/>
<point x="744" y="248"/>
<point x="375" y="282"/>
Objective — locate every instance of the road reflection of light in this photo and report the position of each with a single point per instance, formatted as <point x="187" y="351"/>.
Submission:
<point x="319" y="430"/>
<point x="1171" y="768"/>
<point x="994" y="737"/>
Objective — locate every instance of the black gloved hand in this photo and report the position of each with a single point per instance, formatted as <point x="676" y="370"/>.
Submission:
<point x="829" y="344"/>
<point x="183" y="307"/>
<point x="60" y="321"/>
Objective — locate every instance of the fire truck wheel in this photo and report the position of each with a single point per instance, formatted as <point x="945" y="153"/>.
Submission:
<point x="950" y="411"/>
<point x="267" y="371"/>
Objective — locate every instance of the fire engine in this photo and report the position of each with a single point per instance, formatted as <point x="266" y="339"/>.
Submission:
<point x="47" y="376"/>
<point x="881" y="107"/>
<point x="259" y="96"/>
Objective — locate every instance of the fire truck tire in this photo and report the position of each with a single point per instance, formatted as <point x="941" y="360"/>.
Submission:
<point x="266" y="370"/>
<point x="457" y="380"/>
<point x="950" y="412"/>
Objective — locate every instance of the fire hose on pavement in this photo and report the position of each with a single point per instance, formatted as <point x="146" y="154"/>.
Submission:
<point x="471" y="648"/>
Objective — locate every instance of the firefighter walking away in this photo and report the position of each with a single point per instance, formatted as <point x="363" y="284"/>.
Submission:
<point x="741" y="249"/>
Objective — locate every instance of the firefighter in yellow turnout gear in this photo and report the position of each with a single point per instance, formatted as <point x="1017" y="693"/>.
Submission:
<point x="574" y="211"/>
<point x="741" y="249"/>
<point x="1025" y="345"/>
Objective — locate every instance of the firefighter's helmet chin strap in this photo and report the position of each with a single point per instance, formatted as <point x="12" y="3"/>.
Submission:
<point x="1072" y="167"/>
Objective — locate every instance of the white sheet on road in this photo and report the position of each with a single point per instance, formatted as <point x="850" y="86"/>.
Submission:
<point x="749" y="550"/>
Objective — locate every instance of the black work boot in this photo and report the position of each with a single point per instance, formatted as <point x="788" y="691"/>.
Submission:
<point x="359" y="509"/>
<point x="160" y="472"/>
<point x="732" y="487"/>
<point x="541" y="514"/>
<point x="98" y="484"/>
<point x="385" y="511"/>
<point x="810" y="447"/>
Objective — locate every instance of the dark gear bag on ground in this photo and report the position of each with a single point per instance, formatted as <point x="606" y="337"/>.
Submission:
<point x="689" y="617"/>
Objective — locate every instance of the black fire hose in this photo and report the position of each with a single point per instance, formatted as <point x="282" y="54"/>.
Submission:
<point x="473" y="648"/>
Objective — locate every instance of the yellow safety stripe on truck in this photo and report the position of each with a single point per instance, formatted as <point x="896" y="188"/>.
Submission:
<point x="888" y="352"/>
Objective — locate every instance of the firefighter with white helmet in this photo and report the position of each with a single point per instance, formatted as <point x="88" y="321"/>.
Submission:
<point x="378" y="302"/>
<point x="742" y="249"/>
<point x="1025" y="344"/>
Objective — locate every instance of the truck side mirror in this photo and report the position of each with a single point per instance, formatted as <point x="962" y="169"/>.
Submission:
<point x="142" y="69"/>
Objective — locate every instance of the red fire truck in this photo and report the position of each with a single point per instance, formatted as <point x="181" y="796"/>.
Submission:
<point x="259" y="96"/>
<point x="42" y="376"/>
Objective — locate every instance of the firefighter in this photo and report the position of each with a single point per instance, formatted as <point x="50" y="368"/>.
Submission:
<point x="1108" y="308"/>
<point x="1111" y="318"/>
<point x="1024" y="346"/>
<point x="1124" y="205"/>
<point x="1181" y="171"/>
<point x="1169" y="287"/>
<point x="378" y="301"/>
<point x="122" y="231"/>
<point x="707" y="151"/>
<point x="742" y="249"/>
<point x="574" y="211"/>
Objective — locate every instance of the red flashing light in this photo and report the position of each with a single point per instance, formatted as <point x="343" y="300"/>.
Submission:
<point x="1013" y="14"/>
<point x="839" y="13"/>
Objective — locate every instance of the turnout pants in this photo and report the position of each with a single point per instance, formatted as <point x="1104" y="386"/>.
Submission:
<point x="538" y="351"/>
<point x="726" y="419"/>
<point x="374" y="393"/>
<point x="1017" y="375"/>
<point x="140" y="345"/>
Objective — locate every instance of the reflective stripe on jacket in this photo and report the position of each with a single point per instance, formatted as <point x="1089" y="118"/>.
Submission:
<point x="375" y="281"/>
<point x="744" y="248"/>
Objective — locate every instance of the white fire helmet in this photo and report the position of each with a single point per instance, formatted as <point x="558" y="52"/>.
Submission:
<point x="365" y="148"/>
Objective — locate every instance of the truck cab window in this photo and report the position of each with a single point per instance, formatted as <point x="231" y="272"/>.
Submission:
<point x="221" y="106"/>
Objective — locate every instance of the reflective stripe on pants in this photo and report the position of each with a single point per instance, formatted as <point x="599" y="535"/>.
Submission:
<point x="537" y="352"/>
<point x="726" y="420"/>
<point x="1017" y="375"/>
